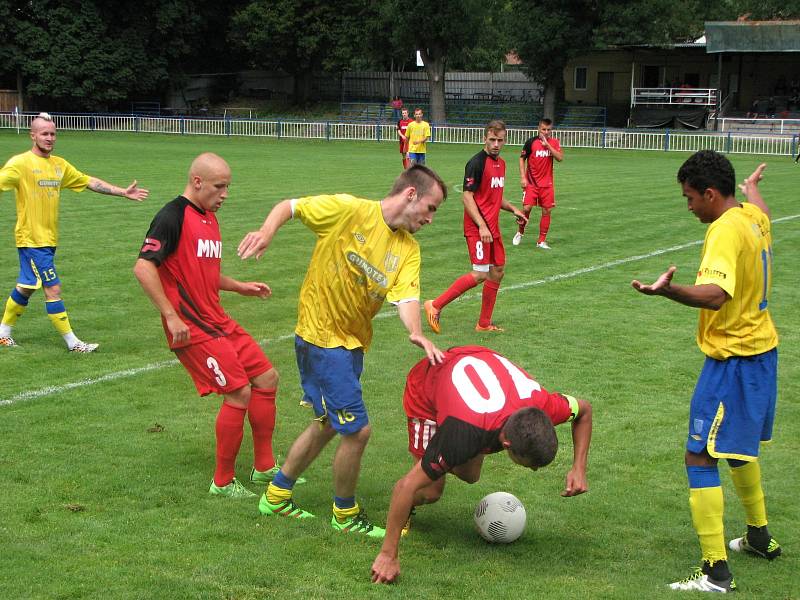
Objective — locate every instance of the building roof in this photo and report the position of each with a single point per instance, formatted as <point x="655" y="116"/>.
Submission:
<point x="752" y="36"/>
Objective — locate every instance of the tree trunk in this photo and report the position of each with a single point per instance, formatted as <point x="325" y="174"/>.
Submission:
<point x="434" y="66"/>
<point x="550" y="92"/>
<point x="302" y="87"/>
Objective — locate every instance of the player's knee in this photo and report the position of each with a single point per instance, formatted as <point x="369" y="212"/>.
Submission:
<point x="496" y="273"/>
<point x="240" y="397"/>
<point x="702" y="459"/>
<point x="27" y="292"/>
<point x="53" y="292"/>
<point x="480" y="276"/>
<point x="267" y="380"/>
<point x="429" y="495"/>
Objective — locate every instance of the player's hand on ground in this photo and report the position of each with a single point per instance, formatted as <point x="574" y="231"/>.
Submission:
<point x="253" y="244"/>
<point x="255" y="288"/>
<point x="657" y="286"/>
<point x="486" y="235"/>
<point x="178" y="329"/>
<point x="576" y="483"/>
<point x="134" y="192"/>
<point x="751" y="183"/>
<point x="385" y="569"/>
<point x="435" y="356"/>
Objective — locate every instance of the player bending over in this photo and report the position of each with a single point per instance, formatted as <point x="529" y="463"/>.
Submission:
<point x="452" y="426"/>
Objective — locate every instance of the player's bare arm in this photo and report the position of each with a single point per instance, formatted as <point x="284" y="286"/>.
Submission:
<point x="507" y="206"/>
<point x="386" y="567"/>
<point x="410" y="316"/>
<point x="132" y="192"/>
<point x="256" y="243"/>
<point x="470" y="471"/>
<point x="750" y="189"/>
<point x="581" y="439"/>
<point x="523" y="173"/>
<point x="557" y="154"/>
<point x="147" y="274"/>
<point x="244" y="288"/>
<point x="472" y="210"/>
<point x="707" y="295"/>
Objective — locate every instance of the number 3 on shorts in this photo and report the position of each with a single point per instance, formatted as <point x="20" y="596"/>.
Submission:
<point x="479" y="250"/>
<point x="212" y="364"/>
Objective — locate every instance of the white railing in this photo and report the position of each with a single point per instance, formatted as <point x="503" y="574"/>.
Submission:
<point x="739" y="142"/>
<point x="769" y="126"/>
<point x="674" y="96"/>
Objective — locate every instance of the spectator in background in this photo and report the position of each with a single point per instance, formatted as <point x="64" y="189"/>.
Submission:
<point x="397" y="106"/>
<point x="402" y="125"/>
<point x="418" y="133"/>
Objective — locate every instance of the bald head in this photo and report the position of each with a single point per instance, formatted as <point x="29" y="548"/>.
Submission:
<point x="208" y="164"/>
<point x="209" y="179"/>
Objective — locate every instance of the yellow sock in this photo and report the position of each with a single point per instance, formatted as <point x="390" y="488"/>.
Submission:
<point x="58" y="316"/>
<point x="276" y="495"/>
<point x="342" y="514"/>
<point x="13" y="312"/>
<point x="707" y="505"/>
<point x="747" y="481"/>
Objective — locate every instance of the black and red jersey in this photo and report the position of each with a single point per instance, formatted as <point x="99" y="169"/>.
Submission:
<point x="184" y="243"/>
<point x="470" y="397"/>
<point x="539" y="160"/>
<point x="485" y="177"/>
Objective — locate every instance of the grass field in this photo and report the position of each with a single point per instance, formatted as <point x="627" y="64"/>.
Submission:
<point x="106" y="458"/>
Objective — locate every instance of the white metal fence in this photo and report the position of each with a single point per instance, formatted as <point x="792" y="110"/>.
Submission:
<point x="623" y="139"/>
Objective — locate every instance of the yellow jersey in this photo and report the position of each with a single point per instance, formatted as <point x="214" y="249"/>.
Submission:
<point x="358" y="261"/>
<point x="737" y="256"/>
<point x="37" y="183"/>
<point x="416" y="133"/>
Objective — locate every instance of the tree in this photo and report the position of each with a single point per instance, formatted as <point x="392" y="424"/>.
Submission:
<point x="443" y="31"/>
<point x="301" y="36"/>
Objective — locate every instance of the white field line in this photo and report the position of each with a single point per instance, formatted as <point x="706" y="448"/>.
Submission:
<point x="56" y="389"/>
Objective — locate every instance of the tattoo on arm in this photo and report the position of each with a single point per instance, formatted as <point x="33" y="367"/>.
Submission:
<point x="101" y="187"/>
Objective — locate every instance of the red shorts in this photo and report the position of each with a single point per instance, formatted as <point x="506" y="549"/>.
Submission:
<point x="224" y="364"/>
<point x="420" y="432"/>
<point x="539" y="196"/>
<point x="419" y="410"/>
<point x="486" y="254"/>
<point x="403" y="146"/>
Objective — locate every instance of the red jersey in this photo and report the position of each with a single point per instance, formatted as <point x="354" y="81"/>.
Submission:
<point x="470" y="397"/>
<point x="184" y="243"/>
<point x="402" y="125"/>
<point x="540" y="161"/>
<point x="485" y="177"/>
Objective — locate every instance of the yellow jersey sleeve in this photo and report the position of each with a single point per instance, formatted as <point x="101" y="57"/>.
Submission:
<point x="9" y="176"/>
<point x="718" y="264"/>
<point x="322" y="214"/>
<point x="73" y="179"/>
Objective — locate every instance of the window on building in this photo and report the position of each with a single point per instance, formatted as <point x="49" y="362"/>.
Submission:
<point x="581" y="77"/>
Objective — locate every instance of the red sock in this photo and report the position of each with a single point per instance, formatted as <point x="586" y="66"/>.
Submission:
<point x="261" y="412"/>
<point x="487" y="302"/>
<point x="544" y="225"/>
<point x="458" y="287"/>
<point x="230" y="423"/>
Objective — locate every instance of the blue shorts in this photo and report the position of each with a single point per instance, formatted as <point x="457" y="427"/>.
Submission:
<point x="37" y="267"/>
<point x="330" y="378"/>
<point x="417" y="158"/>
<point x="733" y="406"/>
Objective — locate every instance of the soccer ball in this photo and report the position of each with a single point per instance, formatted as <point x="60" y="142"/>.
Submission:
<point x="500" y="518"/>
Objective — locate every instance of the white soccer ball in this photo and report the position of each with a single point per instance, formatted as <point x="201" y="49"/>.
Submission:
<point x="500" y="518"/>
